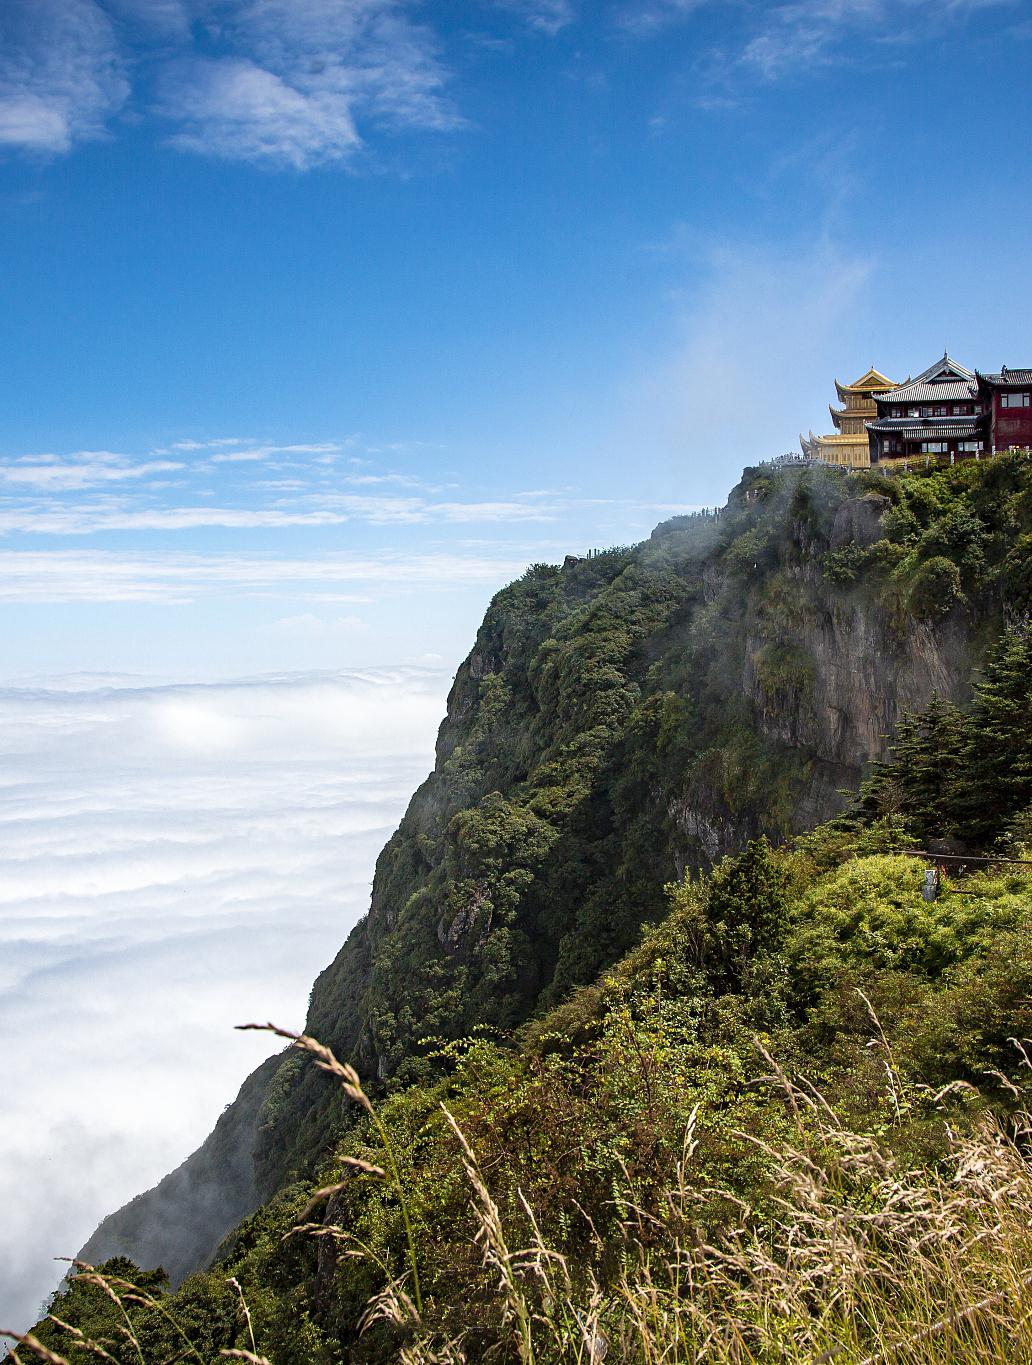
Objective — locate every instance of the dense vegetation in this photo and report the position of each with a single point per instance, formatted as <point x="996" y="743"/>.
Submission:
<point x="654" y="1071"/>
<point x="644" y="711"/>
<point x="789" y="1122"/>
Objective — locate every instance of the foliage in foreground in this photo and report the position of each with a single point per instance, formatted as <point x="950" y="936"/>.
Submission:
<point x="787" y="1127"/>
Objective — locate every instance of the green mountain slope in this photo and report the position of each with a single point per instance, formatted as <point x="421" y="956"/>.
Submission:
<point x="620" y="720"/>
<point x="787" y="1126"/>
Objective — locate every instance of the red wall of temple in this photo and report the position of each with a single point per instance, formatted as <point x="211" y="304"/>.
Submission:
<point x="1011" y="426"/>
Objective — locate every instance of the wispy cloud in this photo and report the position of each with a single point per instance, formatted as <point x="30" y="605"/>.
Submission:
<point x="778" y="41"/>
<point x="547" y="16"/>
<point x="800" y="35"/>
<point x="292" y="82"/>
<point x="332" y="510"/>
<point x="204" y="445"/>
<point x="89" y="520"/>
<point x="752" y="360"/>
<point x="648" y="18"/>
<point x="308" y="623"/>
<point x="105" y="576"/>
<point x="302" y="83"/>
<point x="85" y="469"/>
<point x="62" y="74"/>
<point x="251" y="454"/>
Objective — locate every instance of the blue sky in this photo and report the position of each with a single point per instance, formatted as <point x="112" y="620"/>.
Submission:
<point x="324" y="317"/>
<point x="319" y="321"/>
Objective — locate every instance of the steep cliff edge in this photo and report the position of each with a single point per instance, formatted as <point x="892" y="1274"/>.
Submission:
<point x="619" y="719"/>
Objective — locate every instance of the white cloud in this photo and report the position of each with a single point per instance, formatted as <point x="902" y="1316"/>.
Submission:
<point x="61" y="74"/>
<point x="308" y="623"/>
<point x="86" y="469"/>
<point x="85" y="520"/>
<point x="367" y="480"/>
<point x="776" y="41"/>
<point x="293" y="83"/>
<point x="257" y="453"/>
<point x="237" y="110"/>
<point x="647" y="19"/>
<point x="204" y="445"/>
<point x="800" y="35"/>
<point x="242" y="456"/>
<point x="548" y="16"/>
<point x="293" y="79"/>
<point x="102" y="576"/>
<point x="177" y="860"/>
<point x="307" y="509"/>
<point x="161" y="18"/>
<point x="803" y="34"/>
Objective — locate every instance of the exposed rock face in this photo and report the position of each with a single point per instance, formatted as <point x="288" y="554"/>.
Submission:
<point x="866" y="671"/>
<point x="858" y="521"/>
<point x="619" y="719"/>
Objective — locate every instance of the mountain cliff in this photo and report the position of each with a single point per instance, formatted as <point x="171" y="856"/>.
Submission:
<point x="620" y="720"/>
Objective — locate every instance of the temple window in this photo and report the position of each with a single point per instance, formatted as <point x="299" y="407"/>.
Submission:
<point x="1014" y="400"/>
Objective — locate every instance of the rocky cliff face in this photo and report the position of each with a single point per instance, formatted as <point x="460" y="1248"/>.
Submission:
<point x="619" y="719"/>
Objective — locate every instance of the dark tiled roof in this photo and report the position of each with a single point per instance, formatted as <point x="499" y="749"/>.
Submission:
<point x="1020" y="378"/>
<point x="956" y="391"/>
<point x="945" y="381"/>
<point x="926" y="431"/>
<point x="946" y="368"/>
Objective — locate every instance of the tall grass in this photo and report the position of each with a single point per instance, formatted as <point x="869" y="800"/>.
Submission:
<point x="853" y="1260"/>
<point x="847" y="1255"/>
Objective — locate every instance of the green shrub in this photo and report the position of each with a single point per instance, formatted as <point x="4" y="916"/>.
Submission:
<point x="934" y="589"/>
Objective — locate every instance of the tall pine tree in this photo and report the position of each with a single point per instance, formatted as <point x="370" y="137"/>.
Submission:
<point x="996" y="764"/>
<point x="921" y="779"/>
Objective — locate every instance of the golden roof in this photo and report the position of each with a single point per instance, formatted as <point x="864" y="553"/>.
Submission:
<point x="871" y="382"/>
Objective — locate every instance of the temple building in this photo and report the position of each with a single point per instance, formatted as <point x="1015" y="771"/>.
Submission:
<point x="848" y="444"/>
<point x="941" y="412"/>
<point x="1007" y="398"/>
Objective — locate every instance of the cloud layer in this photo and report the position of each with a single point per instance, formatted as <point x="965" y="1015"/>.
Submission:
<point x="177" y="860"/>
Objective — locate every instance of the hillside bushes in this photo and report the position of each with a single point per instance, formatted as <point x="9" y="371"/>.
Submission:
<point x="643" y="1170"/>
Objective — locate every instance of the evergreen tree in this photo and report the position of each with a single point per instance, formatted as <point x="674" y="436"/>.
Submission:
<point x="996" y="768"/>
<point x="921" y="780"/>
<point x="746" y="914"/>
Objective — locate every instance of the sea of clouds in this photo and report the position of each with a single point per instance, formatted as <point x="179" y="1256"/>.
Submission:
<point x="177" y="859"/>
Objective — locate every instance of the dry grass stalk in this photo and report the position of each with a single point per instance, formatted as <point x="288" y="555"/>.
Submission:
<point x="855" y="1258"/>
<point x="350" y="1082"/>
<point x="34" y="1345"/>
<point x="90" y="1347"/>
